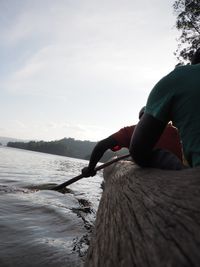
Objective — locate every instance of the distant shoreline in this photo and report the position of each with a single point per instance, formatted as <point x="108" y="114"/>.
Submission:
<point x="68" y="147"/>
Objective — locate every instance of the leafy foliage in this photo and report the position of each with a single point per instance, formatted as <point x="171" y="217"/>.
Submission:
<point x="188" y="22"/>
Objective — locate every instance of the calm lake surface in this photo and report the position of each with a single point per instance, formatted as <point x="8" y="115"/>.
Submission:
<point x="38" y="226"/>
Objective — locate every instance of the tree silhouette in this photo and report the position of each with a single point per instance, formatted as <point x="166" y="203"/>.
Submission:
<point x="188" y="22"/>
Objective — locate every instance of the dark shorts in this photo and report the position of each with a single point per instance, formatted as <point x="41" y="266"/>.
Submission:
<point x="164" y="159"/>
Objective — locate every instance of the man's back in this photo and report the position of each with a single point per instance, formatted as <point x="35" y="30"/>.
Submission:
<point x="176" y="97"/>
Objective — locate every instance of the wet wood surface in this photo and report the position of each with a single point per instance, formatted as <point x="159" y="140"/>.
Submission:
<point x="147" y="217"/>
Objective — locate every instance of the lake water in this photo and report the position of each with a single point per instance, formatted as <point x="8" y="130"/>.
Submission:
<point x="40" y="227"/>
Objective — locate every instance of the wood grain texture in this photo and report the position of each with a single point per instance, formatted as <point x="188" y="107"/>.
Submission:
<point x="147" y="217"/>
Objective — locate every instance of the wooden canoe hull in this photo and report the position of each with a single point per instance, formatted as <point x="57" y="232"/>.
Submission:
<point x="147" y="217"/>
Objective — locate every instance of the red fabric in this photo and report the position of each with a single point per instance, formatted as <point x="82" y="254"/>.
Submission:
<point x="169" y="140"/>
<point x="123" y="137"/>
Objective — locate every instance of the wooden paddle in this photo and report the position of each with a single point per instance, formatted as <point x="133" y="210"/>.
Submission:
<point x="73" y="180"/>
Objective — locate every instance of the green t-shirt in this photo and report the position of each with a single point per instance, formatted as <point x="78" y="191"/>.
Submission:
<point x="176" y="98"/>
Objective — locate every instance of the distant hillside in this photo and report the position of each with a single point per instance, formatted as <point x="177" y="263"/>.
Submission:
<point x="65" y="147"/>
<point x="5" y="140"/>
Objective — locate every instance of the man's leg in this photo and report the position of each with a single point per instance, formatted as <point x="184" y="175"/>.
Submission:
<point x="164" y="159"/>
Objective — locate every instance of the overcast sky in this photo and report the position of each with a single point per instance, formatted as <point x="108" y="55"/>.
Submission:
<point x="80" y="68"/>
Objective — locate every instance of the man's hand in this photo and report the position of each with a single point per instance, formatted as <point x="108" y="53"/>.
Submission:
<point x="86" y="172"/>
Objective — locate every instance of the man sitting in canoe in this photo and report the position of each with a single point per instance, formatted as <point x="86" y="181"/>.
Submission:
<point x="169" y="141"/>
<point x="174" y="98"/>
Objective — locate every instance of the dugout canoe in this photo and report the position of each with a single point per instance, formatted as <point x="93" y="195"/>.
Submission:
<point x="147" y="218"/>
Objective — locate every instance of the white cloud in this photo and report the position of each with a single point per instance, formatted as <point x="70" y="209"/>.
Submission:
<point x="85" y="62"/>
<point x="37" y="130"/>
<point x="83" y="46"/>
<point x="19" y="124"/>
<point x="58" y="71"/>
